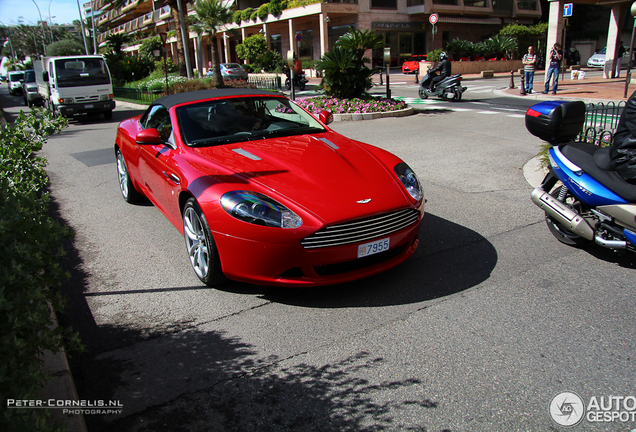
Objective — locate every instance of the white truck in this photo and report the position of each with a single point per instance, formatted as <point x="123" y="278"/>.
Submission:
<point x="74" y="85"/>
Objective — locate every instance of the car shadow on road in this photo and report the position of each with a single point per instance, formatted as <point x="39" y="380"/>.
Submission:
<point x="450" y="259"/>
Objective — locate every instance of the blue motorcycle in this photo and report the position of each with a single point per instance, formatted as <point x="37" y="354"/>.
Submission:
<point x="583" y="198"/>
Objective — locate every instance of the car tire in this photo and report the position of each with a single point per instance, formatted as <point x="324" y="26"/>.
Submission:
<point x="128" y="191"/>
<point x="108" y="114"/>
<point x="200" y="245"/>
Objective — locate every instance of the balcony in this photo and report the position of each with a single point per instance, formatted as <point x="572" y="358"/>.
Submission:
<point x="452" y="7"/>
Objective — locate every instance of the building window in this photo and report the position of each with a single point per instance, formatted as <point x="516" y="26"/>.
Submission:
<point x="384" y="4"/>
<point x="276" y="43"/>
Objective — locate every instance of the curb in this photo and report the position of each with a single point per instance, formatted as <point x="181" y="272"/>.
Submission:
<point x="370" y="116"/>
<point x="533" y="172"/>
<point x="61" y="386"/>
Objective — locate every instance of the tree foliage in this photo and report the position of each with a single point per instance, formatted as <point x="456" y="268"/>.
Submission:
<point x="255" y="50"/>
<point x="65" y="47"/>
<point x="209" y="16"/>
<point x="345" y="74"/>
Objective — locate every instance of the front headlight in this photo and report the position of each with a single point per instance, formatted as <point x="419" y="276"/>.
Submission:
<point x="65" y="100"/>
<point x="409" y="180"/>
<point x="258" y="209"/>
<point x="105" y="97"/>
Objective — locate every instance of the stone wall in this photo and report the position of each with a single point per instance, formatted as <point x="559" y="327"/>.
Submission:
<point x="476" y="67"/>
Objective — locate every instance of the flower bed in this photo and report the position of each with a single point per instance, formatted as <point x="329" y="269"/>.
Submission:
<point x="350" y="106"/>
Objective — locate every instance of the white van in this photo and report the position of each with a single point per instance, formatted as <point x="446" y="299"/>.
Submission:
<point x="74" y="85"/>
<point x="15" y="81"/>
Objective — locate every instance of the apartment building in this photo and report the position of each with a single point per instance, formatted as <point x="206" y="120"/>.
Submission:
<point x="312" y="29"/>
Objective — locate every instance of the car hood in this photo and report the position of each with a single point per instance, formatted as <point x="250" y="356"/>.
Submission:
<point x="333" y="177"/>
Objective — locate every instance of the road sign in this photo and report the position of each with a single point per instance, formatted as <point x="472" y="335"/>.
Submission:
<point x="433" y="18"/>
<point x="567" y="10"/>
<point x="299" y="37"/>
<point x="163" y="36"/>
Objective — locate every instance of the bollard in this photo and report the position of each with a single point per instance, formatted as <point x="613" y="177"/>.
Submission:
<point x="512" y="80"/>
<point x="417" y="76"/>
<point x="522" y="90"/>
<point x="381" y="83"/>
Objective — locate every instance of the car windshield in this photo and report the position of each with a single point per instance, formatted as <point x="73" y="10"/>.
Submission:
<point x="232" y="120"/>
<point x="81" y="72"/>
<point x="232" y="66"/>
<point x="30" y="76"/>
<point x="16" y="77"/>
<point x="601" y="51"/>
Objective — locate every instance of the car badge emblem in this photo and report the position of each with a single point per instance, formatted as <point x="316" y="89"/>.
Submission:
<point x="364" y="201"/>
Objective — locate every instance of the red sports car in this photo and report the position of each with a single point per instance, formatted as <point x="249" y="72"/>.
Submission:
<point x="266" y="193"/>
<point x="412" y="64"/>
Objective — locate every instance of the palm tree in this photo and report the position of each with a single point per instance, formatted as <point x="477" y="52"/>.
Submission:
<point x="359" y="41"/>
<point x="208" y="16"/>
<point x="116" y="41"/>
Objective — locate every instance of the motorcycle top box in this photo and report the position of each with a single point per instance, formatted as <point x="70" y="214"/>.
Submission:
<point x="556" y="121"/>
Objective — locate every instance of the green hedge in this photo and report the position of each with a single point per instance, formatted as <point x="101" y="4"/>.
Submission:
<point x="31" y="244"/>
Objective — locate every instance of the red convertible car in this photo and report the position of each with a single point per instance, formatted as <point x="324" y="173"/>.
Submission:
<point x="266" y="193"/>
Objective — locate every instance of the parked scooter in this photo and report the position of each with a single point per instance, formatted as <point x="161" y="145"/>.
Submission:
<point x="299" y="81"/>
<point x="449" y="88"/>
<point x="583" y="198"/>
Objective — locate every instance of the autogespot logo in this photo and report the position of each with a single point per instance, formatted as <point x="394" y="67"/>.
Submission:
<point x="567" y="409"/>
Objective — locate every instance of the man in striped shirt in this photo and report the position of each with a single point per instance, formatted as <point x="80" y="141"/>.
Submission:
<point x="529" y="62"/>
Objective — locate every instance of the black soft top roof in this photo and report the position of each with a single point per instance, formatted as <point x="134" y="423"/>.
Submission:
<point x="179" y="98"/>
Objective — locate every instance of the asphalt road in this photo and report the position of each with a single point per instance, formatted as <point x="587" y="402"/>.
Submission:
<point x="478" y="331"/>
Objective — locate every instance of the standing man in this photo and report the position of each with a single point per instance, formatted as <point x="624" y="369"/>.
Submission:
<point x="529" y="62"/>
<point x="619" y="60"/>
<point x="556" y="54"/>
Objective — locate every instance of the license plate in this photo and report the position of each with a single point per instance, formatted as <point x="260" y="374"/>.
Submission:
<point x="374" y="247"/>
<point x="89" y="106"/>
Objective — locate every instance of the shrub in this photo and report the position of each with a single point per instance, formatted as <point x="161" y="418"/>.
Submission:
<point x="263" y="11"/>
<point x="65" y="47"/>
<point x="343" y="76"/>
<point x="276" y="7"/>
<point x="237" y="17"/>
<point x="29" y="268"/>
<point x="246" y="14"/>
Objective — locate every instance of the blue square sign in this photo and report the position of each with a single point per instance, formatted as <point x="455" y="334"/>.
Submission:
<point x="567" y="10"/>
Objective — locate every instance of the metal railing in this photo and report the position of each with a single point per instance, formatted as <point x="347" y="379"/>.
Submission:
<point x="268" y="82"/>
<point x="601" y="121"/>
<point x="265" y="82"/>
<point x="135" y="95"/>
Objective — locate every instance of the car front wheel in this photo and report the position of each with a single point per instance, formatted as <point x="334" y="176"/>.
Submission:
<point x="200" y="245"/>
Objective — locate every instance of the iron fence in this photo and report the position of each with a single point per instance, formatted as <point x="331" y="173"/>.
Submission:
<point x="601" y="121"/>
<point x="141" y="96"/>
<point x="265" y="82"/>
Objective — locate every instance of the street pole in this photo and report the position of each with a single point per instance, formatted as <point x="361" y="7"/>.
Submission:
<point x="79" y="9"/>
<point x="185" y="40"/>
<point x="43" y="33"/>
<point x="93" y="21"/>
<point x="628" y="77"/>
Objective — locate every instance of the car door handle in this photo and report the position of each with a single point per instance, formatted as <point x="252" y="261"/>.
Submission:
<point x="173" y="178"/>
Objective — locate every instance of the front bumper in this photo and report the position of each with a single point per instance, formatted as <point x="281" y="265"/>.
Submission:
<point x="85" y="108"/>
<point x="289" y="264"/>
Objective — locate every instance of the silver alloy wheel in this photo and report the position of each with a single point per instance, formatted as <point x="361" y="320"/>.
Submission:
<point x="122" y="173"/>
<point x="196" y="242"/>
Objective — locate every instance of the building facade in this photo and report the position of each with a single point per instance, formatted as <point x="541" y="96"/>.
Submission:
<point x="312" y="29"/>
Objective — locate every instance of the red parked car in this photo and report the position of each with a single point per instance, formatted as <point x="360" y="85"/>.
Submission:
<point x="266" y="193"/>
<point x="412" y="64"/>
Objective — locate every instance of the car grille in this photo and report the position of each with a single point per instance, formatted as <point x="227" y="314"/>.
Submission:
<point x="361" y="230"/>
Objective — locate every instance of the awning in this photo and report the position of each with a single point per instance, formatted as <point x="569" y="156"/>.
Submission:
<point x="453" y="20"/>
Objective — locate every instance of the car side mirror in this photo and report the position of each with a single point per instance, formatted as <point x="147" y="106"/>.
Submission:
<point x="326" y="117"/>
<point x="148" y="136"/>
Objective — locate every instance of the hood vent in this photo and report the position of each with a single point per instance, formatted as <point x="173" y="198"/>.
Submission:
<point x="247" y="154"/>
